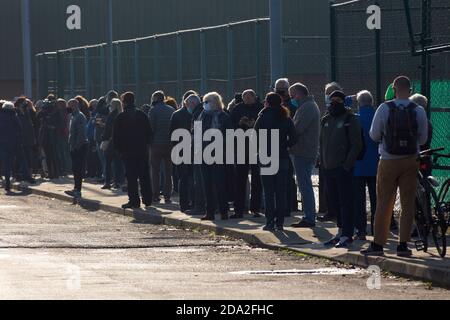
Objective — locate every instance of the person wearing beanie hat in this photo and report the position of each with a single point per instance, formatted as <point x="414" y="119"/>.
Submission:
<point x="340" y="146"/>
<point x="390" y="94"/>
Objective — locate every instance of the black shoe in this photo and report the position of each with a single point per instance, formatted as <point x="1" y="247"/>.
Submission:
<point x="130" y="206"/>
<point x="106" y="187"/>
<point x="303" y="224"/>
<point x="224" y="216"/>
<point x="207" y="218"/>
<point x="73" y="193"/>
<point x="373" y="250"/>
<point x="280" y="228"/>
<point x="269" y="227"/>
<point x="30" y="181"/>
<point x="344" y="243"/>
<point x="236" y="216"/>
<point x="326" y="218"/>
<point x="333" y="242"/>
<point x="195" y="212"/>
<point x="157" y="200"/>
<point x="256" y="215"/>
<point x="168" y="201"/>
<point x="404" y="251"/>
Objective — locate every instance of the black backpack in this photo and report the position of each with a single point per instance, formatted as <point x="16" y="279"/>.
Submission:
<point x="401" y="134"/>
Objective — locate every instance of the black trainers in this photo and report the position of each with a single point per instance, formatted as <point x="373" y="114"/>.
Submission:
<point x="326" y="218"/>
<point x="303" y="224"/>
<point x="269" y="227"/>
<point x="403" y="250"/>
<point x="373" y="250"/>
<point x="130" y="206"/>
<point x="333" y="242"/>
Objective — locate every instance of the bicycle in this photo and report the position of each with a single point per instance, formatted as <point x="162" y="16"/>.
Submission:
<point x="430" y="211"/>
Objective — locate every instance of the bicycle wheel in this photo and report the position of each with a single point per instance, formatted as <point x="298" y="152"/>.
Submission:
<point x="439" y="226"/>
<point x="423" y="220"/>
<point x="444" y="194"/>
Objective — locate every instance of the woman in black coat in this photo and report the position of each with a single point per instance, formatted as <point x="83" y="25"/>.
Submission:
<point x="276" y="117"/>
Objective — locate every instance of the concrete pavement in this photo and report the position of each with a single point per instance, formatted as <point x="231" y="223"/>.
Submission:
<point x="424" y="266"/>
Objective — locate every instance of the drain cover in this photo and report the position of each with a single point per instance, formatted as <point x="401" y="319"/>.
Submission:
<point x="323" y="271"/>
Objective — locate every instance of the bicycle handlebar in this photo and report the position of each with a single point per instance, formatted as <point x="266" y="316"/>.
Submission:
<point x="431" y="151"/>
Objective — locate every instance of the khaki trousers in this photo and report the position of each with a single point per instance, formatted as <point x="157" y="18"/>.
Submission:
<point x="393" y="175"/>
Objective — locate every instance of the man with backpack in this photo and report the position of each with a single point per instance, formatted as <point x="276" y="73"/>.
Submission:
<point x="341" y="145"/>
<point x="401" y="127"/>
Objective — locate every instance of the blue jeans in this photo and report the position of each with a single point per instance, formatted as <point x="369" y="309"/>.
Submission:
<point x="101" y="156"/>
<point x="275" y="194"/>
<point x="340" y="198"/>
<point x="303" y="169"/>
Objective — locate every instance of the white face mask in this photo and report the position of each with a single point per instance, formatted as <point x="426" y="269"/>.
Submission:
<point x="327" y="100"/>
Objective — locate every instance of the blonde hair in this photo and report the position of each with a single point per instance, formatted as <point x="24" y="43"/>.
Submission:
<point x="116" y="104"/>
<point x="215" y="101"/>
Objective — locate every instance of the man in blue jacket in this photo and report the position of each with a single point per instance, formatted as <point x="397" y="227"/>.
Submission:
<point x="365" y="174"/>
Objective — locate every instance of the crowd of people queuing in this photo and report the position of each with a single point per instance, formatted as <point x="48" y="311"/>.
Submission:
<point x="126" y="147"/>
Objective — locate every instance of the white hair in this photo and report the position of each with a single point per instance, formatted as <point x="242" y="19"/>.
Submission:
<point x="116" y="105"/>
<point x="283" y="82"/>
<point x="333" y="85"/>
<point x="194" y="99"/>
<point x="8" y="105"/>
<point x="215" y="100"/>
<point x="364" y="98"/>
<point x="419" y="99"/>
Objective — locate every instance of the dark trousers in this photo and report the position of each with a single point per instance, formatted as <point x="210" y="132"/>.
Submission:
<point x="113" y="162"/>
<point x="242" y="172"/>
<point x="340" y="198"/>
<point x="162" y="154"/>
<point x="323" y="204"/>
<point x="6" y="159"/>
<point x="51" y="160"/>
<point x="292" y="201"/>
<point x="79" y="165"/>
<point x="360" y="200"/>
<point x="275" y="194"/>
<point x="137" y="168"/>
<point x="185" y="185"/>
<point x="199" y="194"/>
<point x="215" y="189"/>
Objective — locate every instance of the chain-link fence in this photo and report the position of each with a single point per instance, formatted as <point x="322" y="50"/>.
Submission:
<point x="227" y="58"/>
<point x="370" y="59"/>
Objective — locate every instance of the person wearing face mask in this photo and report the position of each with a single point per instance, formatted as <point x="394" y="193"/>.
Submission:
<point x="182" y="119"/>
<point x="214" y="175"/>
<point x="323" y="204"/>
<point x="340" y="146"/>
<point x="305" y="151"/>
<point x="112" y="159"/>
<point x="244" y="117"/>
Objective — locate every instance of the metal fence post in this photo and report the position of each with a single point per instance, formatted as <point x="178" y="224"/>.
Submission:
<point x="156" y="62"/>
<point x="137" y="72"/>
<point x="203" y="71"/>
<point x="60" y="74"/>
<point x="38" y="75"/>
<point x="333" y="42"/>
<point x="87" y="73"/>
<point x="230" y="84"/>
<point x="276" y="41"/>
<point x="119" y="68"/>
<point x="179" y="65"/>
<point x="72" y="73"/>
<point x="103" y="73"/>
<point x="258" y="56"/>
<point x="378" y="64"/>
